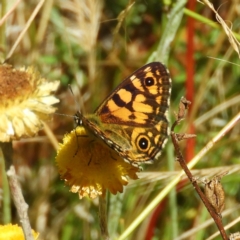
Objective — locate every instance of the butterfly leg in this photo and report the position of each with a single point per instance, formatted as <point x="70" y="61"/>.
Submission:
<point x="91" y="154"/>
<point x="90" y="160"/>
<point x="113" y="157"/>
<point x="78" y="142"/>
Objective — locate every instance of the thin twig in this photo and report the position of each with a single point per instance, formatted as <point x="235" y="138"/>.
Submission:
<point x="217" y="218"/>
<point x="20" y="203"/>
<point x="15" y="190"/>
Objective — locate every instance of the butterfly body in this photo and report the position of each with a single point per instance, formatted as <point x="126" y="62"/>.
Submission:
<point x="132" y="120"/>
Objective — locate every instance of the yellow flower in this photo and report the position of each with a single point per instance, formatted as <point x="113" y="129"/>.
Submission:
<point x="90" y="167"/>
<point x="13" y="232"/>
<point x="25" y="102"/>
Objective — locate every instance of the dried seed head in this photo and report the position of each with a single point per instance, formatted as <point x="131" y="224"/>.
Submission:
<point x="25" y="101"/>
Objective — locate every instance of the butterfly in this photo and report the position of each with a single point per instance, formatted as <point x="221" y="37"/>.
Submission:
<point x="132" y="120"/>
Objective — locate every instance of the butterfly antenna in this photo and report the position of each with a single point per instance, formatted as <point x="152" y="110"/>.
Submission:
<point x="61" y="114"/>
<point x="76" y="103"/>
<point x="78" y="114"/>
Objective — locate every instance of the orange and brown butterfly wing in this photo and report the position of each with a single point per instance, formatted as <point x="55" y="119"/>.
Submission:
<point x="142" y="99"/>
<point x="139" y="107"/>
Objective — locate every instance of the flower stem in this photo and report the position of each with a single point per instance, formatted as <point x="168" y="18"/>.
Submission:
<point x="16" y="191"/>
<point x="6" y="194"/>
<point x="103" y="217"/>
<point x="6" y="148"/>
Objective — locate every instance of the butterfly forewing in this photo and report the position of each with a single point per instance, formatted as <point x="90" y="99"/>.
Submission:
<point x="142" y="99"/>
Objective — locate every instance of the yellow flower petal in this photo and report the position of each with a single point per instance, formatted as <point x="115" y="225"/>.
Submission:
<point x="90" y="167"/>
<point x="25" y="101"/>
<point x="13" y="232"/>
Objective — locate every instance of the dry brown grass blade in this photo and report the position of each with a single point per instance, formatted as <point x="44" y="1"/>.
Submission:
<point x="9" y="12"/>
<point x="228" y="226"/>
<point x="193" y="231"/>
<point x="85" y="28"/>
<point x="234" y="101"/>
<point x="163" y="177"/>
<point x="35" y="12"/>
<point x="232" y="39"/>
<point x="85" y="22"/>
<point x="43" y="23"/>
<point x="120" y="19"/>
<point x="50" y="135"/>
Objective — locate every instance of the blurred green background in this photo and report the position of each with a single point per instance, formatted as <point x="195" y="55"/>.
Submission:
<point x="94" y="45"/>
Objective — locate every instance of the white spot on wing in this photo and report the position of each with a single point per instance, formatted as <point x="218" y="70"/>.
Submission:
<point x="147" y="69"/>
<point x="132" y="77"/>
<point x="127" y="161"/>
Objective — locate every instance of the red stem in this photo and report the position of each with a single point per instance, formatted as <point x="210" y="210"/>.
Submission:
<point x="190" y="144"/>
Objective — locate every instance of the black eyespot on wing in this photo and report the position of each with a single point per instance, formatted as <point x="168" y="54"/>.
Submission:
<point x="143" y="143"/>
<point x="149" y="81"/>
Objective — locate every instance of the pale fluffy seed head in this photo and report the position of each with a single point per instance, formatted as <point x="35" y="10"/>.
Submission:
<point x="25" y="101"/>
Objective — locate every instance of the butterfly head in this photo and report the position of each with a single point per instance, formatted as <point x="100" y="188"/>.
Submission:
<point x="78" y="118"/>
